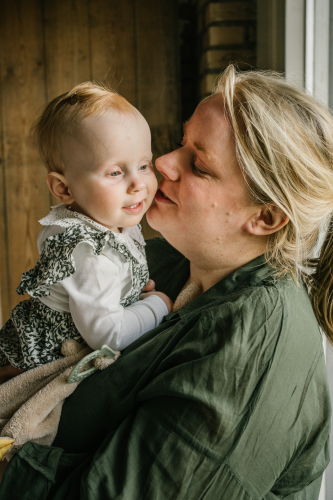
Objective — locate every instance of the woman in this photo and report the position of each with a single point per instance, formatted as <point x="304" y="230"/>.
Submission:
<point x="228" y="398"/>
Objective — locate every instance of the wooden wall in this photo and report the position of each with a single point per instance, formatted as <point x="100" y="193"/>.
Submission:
<point x="47" y="47"/>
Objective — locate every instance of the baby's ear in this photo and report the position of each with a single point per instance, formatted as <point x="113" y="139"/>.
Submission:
<point x="59" y="187"/>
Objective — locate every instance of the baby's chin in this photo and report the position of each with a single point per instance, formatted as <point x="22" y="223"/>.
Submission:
<point x="133" y="221"/>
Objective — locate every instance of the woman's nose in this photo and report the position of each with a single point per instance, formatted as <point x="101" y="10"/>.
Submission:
<point x="168" y="165"/>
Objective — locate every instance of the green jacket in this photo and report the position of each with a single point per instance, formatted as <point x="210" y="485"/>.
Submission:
<point x="227" y="399"/>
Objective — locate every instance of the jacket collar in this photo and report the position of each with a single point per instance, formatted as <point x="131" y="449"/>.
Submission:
<point x="247" y="276"/>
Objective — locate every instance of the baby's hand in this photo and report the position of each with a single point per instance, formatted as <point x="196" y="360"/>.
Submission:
<point x="149" y="287"/>
<point x="165" y="298"/>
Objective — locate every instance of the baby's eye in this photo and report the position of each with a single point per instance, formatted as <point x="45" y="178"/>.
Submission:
<point x="144" y="167"/>
<point x="116" y="173"/>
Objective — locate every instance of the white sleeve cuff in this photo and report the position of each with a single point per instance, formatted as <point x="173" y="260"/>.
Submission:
<point x="157" y="306"/>
<point x="139" y="318"/>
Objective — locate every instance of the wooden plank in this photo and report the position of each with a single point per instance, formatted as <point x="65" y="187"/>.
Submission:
<point x="158" y="80"/>
<point x="112" y="45"/>
<point x="22" y="76"/>
<point x="158" y="61"/>
<point x="66" y="45"/>
<point x="67" y="52"/>
<point x="4" y="275"/>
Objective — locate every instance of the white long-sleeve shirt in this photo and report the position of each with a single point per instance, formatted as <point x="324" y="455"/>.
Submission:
<point x="92" y="294"/>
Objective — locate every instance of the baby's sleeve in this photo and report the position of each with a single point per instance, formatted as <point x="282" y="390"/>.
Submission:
<point x="94" y="300"/>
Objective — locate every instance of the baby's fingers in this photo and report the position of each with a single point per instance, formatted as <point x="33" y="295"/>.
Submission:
<point x="149" y="287"/>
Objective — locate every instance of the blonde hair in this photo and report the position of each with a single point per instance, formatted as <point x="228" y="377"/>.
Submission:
<point x="284" y="145"/>
<point x="85" y="99"/>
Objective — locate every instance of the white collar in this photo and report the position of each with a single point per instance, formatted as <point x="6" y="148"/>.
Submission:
<point x="61" y="216"/>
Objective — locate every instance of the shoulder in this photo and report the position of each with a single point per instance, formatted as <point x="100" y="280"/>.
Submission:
<point x="247" y="308"/>
<point x="57" y="243"/>
<point x="274" y="302"/>
<point x="61" y="216"/>
<point x="290" y="414"/>
<point x="257" y="323"/>
<point x="63" y="230"/>
<point x="244" y="327"/>
<point x="46" y="232"/>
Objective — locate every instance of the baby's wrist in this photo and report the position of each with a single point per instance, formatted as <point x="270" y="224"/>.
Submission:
<point x="168" y="302"/>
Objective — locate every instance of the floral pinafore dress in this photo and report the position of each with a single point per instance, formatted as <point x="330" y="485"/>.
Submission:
<point x="34" y="333"/>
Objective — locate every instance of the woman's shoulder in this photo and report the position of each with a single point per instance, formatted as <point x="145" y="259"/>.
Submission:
<point x="273" y="320"/>
<point x="271" y="300"/>
<point x="255" y="311"/>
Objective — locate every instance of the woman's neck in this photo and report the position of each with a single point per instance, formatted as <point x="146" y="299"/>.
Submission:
<point x="211" y="260"/>
<point x="208" y="277"/>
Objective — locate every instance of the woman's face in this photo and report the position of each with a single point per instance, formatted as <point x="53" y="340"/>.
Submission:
<point x="203" y="198"/>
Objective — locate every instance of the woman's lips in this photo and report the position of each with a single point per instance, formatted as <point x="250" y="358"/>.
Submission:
<point x="134" y="209"/>
<point x="160" y="197"/>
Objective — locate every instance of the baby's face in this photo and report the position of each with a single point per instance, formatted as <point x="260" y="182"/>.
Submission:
<point x="108" y="167"/>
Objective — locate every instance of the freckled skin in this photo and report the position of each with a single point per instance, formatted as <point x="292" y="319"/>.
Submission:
<point x="207" y="219"/>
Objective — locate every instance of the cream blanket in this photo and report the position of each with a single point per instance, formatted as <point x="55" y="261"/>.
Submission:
<point x="31" y="403"/>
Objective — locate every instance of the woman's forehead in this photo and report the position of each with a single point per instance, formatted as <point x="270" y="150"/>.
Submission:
<point x="211" y="113"/>
<point x="209" y="122"/>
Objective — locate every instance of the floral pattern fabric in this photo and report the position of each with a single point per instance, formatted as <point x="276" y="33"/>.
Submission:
<point x="34" y="334"/>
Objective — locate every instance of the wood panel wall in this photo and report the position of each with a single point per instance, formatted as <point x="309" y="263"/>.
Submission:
<point x="47" y="47"/>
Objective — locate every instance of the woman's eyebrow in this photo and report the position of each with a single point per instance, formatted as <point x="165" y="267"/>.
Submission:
<point x="198" y="145"/>
<point x="201" y="147"/>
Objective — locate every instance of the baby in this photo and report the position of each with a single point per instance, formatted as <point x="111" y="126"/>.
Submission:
<point x="92" y="268"/>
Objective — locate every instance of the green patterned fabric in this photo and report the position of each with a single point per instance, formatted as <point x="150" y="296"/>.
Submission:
<point x="56" y="261"/>
<point x="227" y="399"/>
<point x="34" y="333"/>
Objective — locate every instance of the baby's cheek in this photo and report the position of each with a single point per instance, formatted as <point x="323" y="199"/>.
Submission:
<point x="153" y="183"/>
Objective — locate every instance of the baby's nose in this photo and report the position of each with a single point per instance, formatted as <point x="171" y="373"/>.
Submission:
<point x="136" y="184"/>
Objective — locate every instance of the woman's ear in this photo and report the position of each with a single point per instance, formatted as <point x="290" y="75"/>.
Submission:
<point x="59" y="187"/>
<point x="267" y="220"/>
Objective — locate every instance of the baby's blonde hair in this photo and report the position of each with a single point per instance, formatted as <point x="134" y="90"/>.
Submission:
<point x="85" y="99"/>
<point x="284" y="145"/>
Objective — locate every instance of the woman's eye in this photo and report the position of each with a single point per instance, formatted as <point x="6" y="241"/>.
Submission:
<point x="197" y="171"/>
